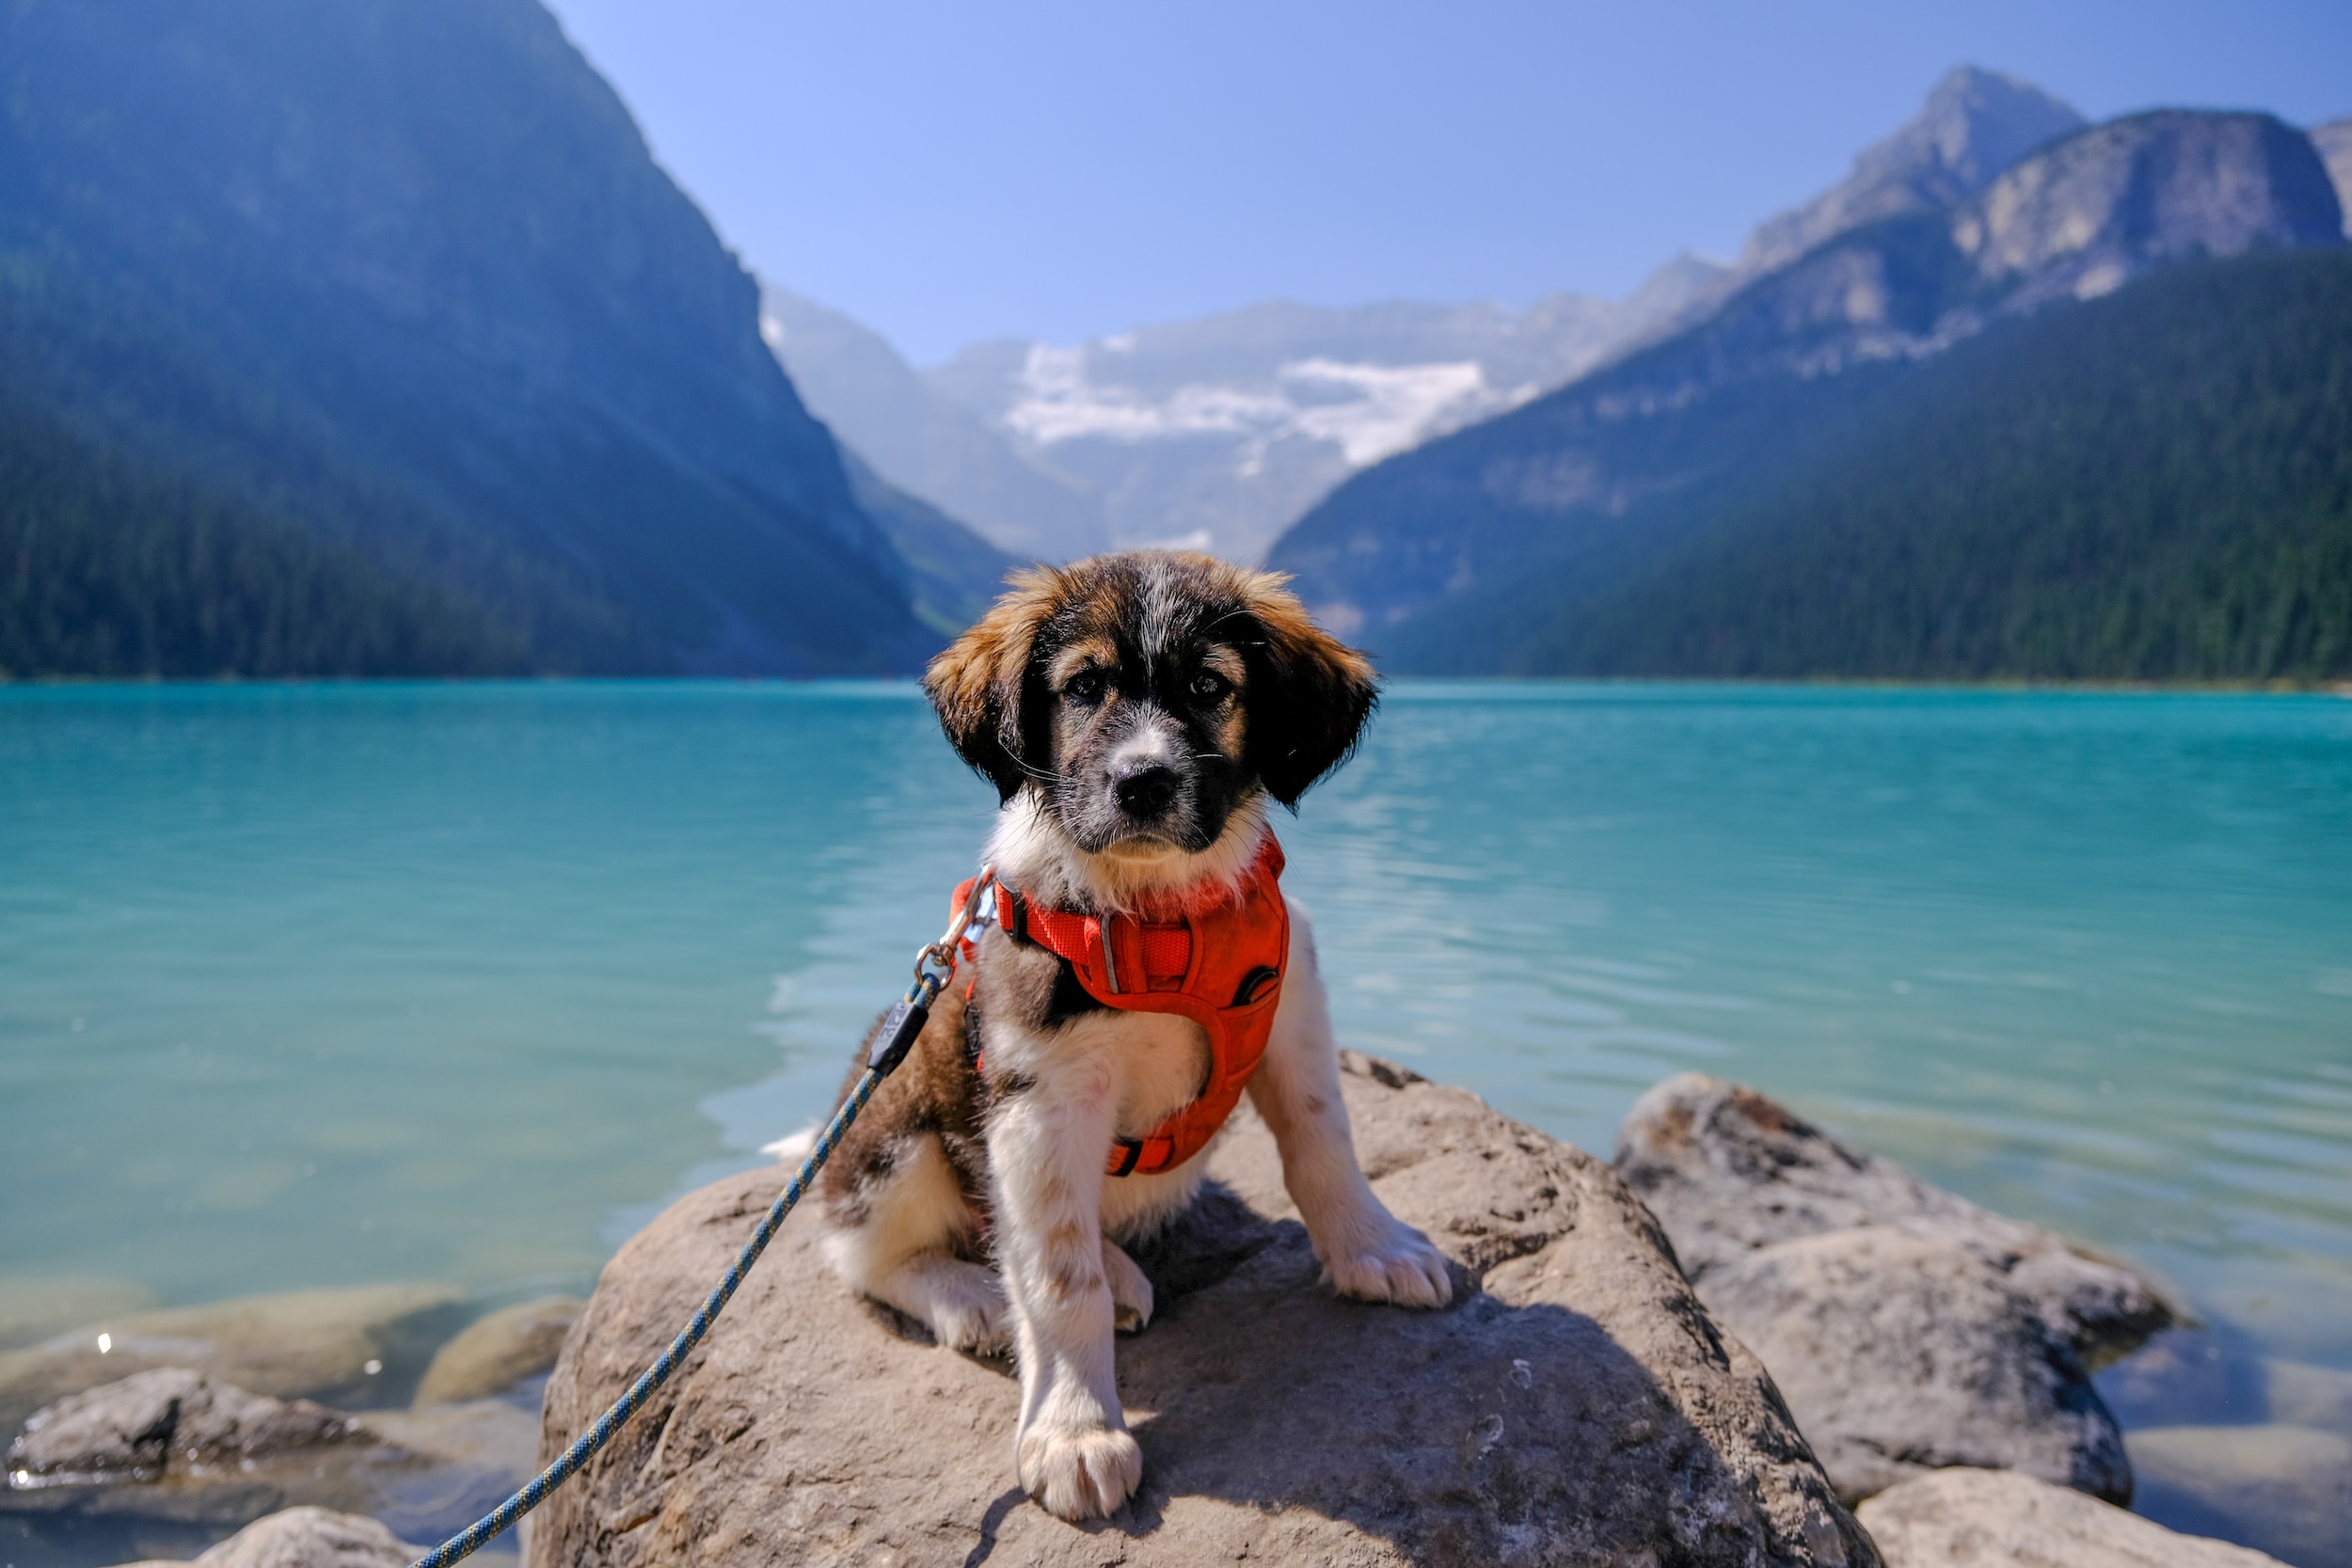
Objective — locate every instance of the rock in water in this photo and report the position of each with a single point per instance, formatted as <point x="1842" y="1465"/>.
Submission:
<point x="498" y="1351"/>
<point x="1963" y="1518"/>
<point x="170" y="1417"/>
<point x="171" y="1447"/>
<point x="358" y="1346"/>
<point x="307" y="1538"/>
<point x="1908" y="1329"/>
<point x="2286" y="1489"/>
<point x="1901" y="1352"/>
<point x="1576" y="1405"/>
<point x="32" y="1310"/>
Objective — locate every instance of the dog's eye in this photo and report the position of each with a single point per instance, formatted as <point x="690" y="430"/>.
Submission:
<point x="1085" y="687"/>
<point x="1208" y="685"/>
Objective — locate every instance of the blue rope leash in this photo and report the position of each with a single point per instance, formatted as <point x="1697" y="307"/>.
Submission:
<point x="892" y="1039"/>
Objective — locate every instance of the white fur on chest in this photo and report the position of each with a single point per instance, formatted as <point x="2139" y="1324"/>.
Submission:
<point x="1145" y="1066"/>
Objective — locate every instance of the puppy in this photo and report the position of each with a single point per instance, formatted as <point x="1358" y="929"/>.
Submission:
<point x="1136" y="713"/>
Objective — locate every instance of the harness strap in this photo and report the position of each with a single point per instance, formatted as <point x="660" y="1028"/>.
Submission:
<point x="1138" y="964"/>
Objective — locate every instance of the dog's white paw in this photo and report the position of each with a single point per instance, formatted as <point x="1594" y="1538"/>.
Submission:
<point x="1131" y="1293"/>
<point x="985" y="1328"/>
<point x="1401" y="1266"/>
<point x="1081" y="1473"/>
<point x="965" y="1306"/>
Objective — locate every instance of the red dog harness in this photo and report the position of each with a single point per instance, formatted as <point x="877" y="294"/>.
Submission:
<point x="1218" y="964"/>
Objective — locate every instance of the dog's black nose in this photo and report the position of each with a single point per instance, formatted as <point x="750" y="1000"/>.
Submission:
<point x="1146" y="791"/>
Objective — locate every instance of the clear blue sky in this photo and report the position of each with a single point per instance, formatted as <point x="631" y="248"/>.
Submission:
<point x="948" y="172"/>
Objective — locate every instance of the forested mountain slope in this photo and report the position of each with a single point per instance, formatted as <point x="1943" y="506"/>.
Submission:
<point x="400" y="275"/>
<point x="111" y="568"/>
<point x="2155" y="485"/>
<point x="1606" y="473"/>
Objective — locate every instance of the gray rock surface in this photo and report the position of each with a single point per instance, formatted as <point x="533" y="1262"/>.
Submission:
<point x="1901" y="1352"/>
<point x="1577" y="1405"/>
<point x="305" y="1538"/>
<point x="1963" y="1518"/>
<point x="175" y="1447"/>
<point x="1908" y="1329"/>
<point x="168" y="1418"/>
<point x="496" y="1351"/>
<point x="306" y="1344"/>
<point x="1728" y="1171"/>
<point x="2286" y="1489"/>
<point x="2086" y="216"/>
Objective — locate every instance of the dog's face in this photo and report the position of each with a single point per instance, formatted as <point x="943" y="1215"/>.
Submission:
<point x="1148" y="695"/>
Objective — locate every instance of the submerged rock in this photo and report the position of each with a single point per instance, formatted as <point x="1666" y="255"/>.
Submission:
<point x="2202" y="1378"/>
<point x="357" y="1346"/>
<point x="35" y="1309"/>
<point x="305" y="1538"/>
<point x="496" y="1351"/>
<point x="2286" y="1489"/>
<point x="1963" y="1518"/>
<point x="1576" y="1405"/>
<point x="175" y="1446"/>
<point x="1908" y="1329"/>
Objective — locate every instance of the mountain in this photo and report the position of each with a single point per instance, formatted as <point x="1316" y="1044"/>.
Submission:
<point x="1216" y="432"/>
<point x="2155" y="485"/>
<point x="395" y="285"/>
<point x="953" y="574"/>
<point x="1974" y="125"/>
<point x="2334" y="141"/>
<point x="1597" y="478"/>
<point x="120" y="568"/>
<point x="920" y="440"/>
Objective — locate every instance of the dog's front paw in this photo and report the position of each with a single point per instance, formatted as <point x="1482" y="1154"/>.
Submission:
<point x="1080" y="1473"/>
<point x="1401" y="1265"/>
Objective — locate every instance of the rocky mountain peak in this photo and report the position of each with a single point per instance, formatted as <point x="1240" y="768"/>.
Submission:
<point x="1974" y="125"/>
<point x="2334" y="141"/>
<point x="2088" y="213"/>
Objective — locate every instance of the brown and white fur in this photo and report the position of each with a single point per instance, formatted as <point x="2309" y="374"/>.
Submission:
<point x="1136" y="713"/>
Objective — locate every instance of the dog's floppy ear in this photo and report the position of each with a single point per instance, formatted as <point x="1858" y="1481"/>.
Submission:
<point x="1309" y="692"/>
<point x="982" y="686"/>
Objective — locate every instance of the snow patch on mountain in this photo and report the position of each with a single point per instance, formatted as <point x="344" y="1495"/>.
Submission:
<point x="1368" y="411"/>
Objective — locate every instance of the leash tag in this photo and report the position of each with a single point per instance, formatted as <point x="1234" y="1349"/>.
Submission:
<point x="896" y="1036"/>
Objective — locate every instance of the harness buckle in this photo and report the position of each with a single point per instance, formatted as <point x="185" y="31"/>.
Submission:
<point x="1135" y="1155"/>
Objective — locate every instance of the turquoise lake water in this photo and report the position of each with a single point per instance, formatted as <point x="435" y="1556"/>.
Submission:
<point x="315" y="985"/>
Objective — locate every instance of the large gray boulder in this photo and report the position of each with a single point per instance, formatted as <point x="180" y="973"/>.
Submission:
<point x="1908" y="1329"/>
<point x="1576" y="1405"/>
<point x="1963" y="1518"/>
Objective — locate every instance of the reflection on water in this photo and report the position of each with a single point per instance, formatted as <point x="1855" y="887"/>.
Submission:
<point x="315" y="985"/>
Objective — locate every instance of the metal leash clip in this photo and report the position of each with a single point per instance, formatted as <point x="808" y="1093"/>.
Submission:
<point x="934" y="966"/>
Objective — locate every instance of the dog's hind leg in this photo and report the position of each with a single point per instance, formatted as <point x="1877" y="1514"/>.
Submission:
<point x="1131" y="1293"/>
<point x="899" y="1247"/>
